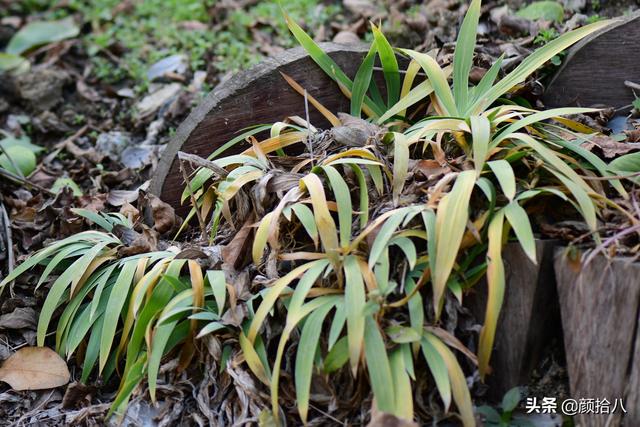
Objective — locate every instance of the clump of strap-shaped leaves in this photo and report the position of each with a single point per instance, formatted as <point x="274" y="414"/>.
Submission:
<point x="360" y="251"/>
<point x="128" y="311"/>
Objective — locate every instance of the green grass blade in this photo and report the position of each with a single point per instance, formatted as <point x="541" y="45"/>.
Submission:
<point x="319" y="56"/>
<point x="93" y="350"/>
<point x="485" y="83"/>
<point x="343" y="200"/>
<point x="362" y="81"/>
<point x="94" y="217"/>
<point x="506" y="178"/>
<point x="339" y="319"/>
<point x="400" y="165"/>
<point x="534" y="61"/>
<point x="364" y="195"/>
<point x="438" y="370"/>
<point x="73" y="272"/>
<point x="389" y="66"/>
<point x="463" y="55"/>
<point x="481" y="133"/>
<point x="437" y="78"/>
<point x="379" y="368"/>
<point x="587" y="207"/>
<point x="338" y="356"/>
<point x="384" y="236"/>
<point x="594" y="160"/>
<point x="550" y="157"/>
<point x="519" y="221"/>
<point x="451" y="222"/>
<point x="408" y="248"/>
<point x="401" y="386"/>
<point x="309" y="340"/>
<point x="495" y="284"/>
<point x="161" y="343"/>
<point x="536" y="118"/>
<point x="354" y="299"/>
<point x="117" y="298"/>
<point x="218" y="284"/>
<point x="417" y="94"/>
<point x="459" y="387"/>
<point x="305" y="215"/>
<point x="272" y="294"/>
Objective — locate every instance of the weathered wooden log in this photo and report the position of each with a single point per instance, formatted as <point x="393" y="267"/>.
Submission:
<point x="529" y="319"/>
<point x="594" y="73"/>
<point x="596" y="68"/>
<point x="600" y="308"/>
<point x="256" y="96"/>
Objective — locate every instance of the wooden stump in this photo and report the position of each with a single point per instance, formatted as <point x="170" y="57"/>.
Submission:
<point x="256" y="96"/>
<point x="529" y="319"/>
<point x="600" y="308"/>
<point x="595" y="69"/>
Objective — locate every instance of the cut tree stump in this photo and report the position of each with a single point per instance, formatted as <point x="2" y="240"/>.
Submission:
<point x="257" y="96"/>
<point x="529" y="319"/>
<point x="595" y="70"/>
<point x="600" y="309"/>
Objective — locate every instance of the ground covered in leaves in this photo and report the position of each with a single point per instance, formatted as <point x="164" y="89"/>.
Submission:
<point x="96" y="108"/>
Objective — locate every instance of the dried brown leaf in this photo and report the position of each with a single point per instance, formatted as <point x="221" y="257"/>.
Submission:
<point x="35" y="368"/>
<point x="612" y="148"/>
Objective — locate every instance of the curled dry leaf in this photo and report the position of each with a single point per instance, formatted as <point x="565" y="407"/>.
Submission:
<point x="136" y="243"/>
<point x="34" y="368"/>
<point x="158" y="214"/>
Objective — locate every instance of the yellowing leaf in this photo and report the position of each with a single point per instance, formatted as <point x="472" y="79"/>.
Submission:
<point x="324" y="221"/>
<point x="451" y="221"/>
<point x="400" y="165"/>
<point x="252" y="359"/>
<point x="504" y="173"/>
<point x="496" y="283"/>
<point x="458" y="382"/>
<point x="331" y="118"/>
<point x="34" y="368"/>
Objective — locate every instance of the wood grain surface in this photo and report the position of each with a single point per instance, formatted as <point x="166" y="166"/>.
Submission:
<point x="529" y="320"/>
<point x="600" y="305"/>
<point x="256" y="96"/>
<point x="595" y="70"/>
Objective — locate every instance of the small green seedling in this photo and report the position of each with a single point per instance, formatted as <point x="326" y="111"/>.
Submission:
<point x="505" y="417"/>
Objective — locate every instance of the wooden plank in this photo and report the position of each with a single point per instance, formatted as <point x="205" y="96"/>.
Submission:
<point x="529" y="318"/>
<point x="600" y="307"/>
<point x="256" y="96"/>
<point x="595" y="69"/>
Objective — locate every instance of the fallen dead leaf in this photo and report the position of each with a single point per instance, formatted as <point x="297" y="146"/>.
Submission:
<point x="610" y="147"/>
<point x="233" y="253"/>
<point x="20" y="318"/>
<point x="158" y="214"/>
<point x="35" y="368"/>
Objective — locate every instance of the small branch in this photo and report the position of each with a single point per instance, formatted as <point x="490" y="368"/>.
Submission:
<point x="632" y="85"/>
<point x="24" y="181"/>
<point x="203" y="163"/>
<point x="68" y="144"/>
